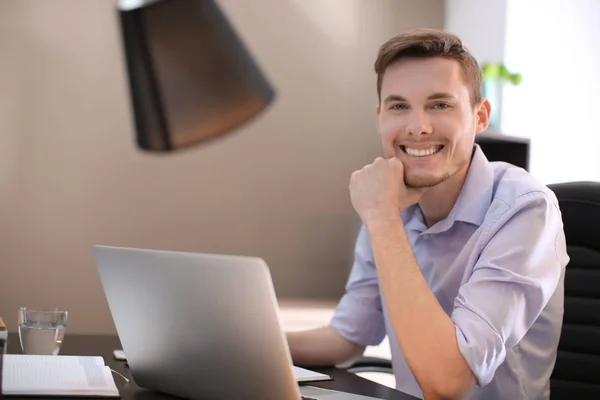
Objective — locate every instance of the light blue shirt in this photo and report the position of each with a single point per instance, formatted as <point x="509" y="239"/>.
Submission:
<point x="496" y="265"/>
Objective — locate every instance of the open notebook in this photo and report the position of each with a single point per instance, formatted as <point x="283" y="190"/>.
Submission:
<point x="25" y="375"/>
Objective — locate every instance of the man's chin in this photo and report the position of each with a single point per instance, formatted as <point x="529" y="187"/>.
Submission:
<point x="420" y="182"/>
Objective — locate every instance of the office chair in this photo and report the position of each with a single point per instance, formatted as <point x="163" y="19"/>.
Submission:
<point x="371" y="364"/>
<point x="577" y="370"/>
<point x="576" y="374"/>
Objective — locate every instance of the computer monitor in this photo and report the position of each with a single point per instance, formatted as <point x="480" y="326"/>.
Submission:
<point x="500" y="147"/>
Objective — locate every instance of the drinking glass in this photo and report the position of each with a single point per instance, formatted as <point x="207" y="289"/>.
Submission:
<point x="42" y="329"/>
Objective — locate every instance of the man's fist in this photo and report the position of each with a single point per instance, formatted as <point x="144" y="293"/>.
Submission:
<point x="378" y="192"/>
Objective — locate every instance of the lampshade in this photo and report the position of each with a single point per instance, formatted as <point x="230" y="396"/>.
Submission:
<point x="190" y="76"/>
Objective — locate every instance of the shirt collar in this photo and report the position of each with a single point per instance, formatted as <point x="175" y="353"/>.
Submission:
<point x="472" y="203"/>
<point x="476" y="195"/>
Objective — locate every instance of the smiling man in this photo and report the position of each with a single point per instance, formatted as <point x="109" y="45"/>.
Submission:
<point x="459" y="261"/>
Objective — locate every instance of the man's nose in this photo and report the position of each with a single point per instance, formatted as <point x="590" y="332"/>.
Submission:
<point x="419" y="124"/>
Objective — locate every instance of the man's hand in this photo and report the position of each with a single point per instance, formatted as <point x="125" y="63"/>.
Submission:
<point x="378" y="192"/>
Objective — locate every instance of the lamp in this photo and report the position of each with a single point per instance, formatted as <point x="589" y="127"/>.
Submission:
<point x="191" y="78"/>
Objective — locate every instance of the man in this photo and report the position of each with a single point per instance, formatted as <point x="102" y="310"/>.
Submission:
<point x="459" y="261"/>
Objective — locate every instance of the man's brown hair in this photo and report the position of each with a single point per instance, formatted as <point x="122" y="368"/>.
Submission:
<point x="429" y="43"/>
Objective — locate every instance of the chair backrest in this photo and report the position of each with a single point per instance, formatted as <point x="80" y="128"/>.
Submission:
<point x="576" y="374"/>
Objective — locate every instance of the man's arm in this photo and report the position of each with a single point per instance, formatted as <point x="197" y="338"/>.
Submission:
<point x="321" y="347"/>
<point x="357" y="322"/>
<point x="516" y="274"/>
<point x="424" y="331"/>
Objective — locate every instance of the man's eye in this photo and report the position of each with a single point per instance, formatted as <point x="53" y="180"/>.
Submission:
<point x="398" y="107"/>
<point x="440" y="106"/>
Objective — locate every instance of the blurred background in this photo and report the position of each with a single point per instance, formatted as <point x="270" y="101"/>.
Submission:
<point x="71" y="175"/>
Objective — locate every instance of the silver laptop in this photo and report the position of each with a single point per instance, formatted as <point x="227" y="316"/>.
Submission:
<point x="201" y="326"/>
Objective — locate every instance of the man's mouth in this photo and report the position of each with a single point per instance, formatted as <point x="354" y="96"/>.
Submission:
<point x="421" y="152"/>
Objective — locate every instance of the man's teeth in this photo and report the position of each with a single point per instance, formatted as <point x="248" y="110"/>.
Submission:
<point x="422" y="152"/>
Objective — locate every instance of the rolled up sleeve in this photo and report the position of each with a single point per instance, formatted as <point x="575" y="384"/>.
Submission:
<point x="520" y="265"/>
<point x="359" y="315"/>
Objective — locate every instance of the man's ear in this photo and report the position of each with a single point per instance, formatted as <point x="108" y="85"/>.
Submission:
<point x="482" y="113"/>
<point x="377" y="112"/>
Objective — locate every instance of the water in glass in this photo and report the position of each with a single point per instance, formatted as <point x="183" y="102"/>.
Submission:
<point x="41" y="337"/>
<point x="42" y="330"/>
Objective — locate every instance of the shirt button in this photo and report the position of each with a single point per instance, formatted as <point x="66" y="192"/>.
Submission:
<point x="425" y="236"/>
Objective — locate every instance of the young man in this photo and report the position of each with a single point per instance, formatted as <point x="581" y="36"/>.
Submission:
<point x="459" y="261"/>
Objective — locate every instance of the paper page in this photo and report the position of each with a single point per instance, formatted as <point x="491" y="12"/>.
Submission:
<point x="306" y="375"/>
<point x="56" y="375"/>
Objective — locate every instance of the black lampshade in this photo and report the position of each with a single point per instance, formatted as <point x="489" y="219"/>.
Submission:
<point x="190" y="76"/>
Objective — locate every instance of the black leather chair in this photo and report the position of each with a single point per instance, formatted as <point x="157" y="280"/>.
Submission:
<point x="371" y="364"/>
<point x="577" y="371"/>
<point x="576" y="374"/>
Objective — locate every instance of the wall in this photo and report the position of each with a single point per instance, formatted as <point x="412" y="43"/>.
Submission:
<point x="481" y="25"/>
<point x="558" y="53"/>
<point x="71" y="177"/>
<point x="554" y="45"/>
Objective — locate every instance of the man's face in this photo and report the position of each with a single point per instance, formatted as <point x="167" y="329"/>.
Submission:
<point x="425" y="119"/>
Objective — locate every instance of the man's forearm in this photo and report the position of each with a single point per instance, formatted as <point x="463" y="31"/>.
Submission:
<point x="321" y="347"/>
<point x="426" y="334"/>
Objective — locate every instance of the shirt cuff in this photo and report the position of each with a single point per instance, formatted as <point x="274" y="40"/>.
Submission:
<point x="359" y="322"/>
<point x="479" y="343"/>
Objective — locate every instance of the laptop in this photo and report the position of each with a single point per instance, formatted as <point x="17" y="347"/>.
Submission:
<point x="201" y="326"/>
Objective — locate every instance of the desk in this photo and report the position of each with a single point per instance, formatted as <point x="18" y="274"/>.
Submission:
<point x="104" y="345"/>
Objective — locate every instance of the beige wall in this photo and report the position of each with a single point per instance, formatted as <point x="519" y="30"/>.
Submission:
<point x="71" y="177"/>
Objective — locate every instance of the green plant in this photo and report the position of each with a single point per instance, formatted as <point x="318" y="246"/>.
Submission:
<point x="499" y="71"/>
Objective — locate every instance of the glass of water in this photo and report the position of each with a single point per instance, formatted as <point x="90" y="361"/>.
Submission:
<point x="42" y="330"/>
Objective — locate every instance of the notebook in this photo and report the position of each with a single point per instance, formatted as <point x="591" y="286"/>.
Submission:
<point x="37" y="375"/>
<point x="306" y="375"/>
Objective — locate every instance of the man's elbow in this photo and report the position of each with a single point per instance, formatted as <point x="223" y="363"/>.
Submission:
<point x="347" y="359"/>
<point x="449" y="389"/>
<point x="445" y="393"/>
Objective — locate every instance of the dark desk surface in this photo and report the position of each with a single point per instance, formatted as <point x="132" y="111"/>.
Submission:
<point x="104" y="346"/>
